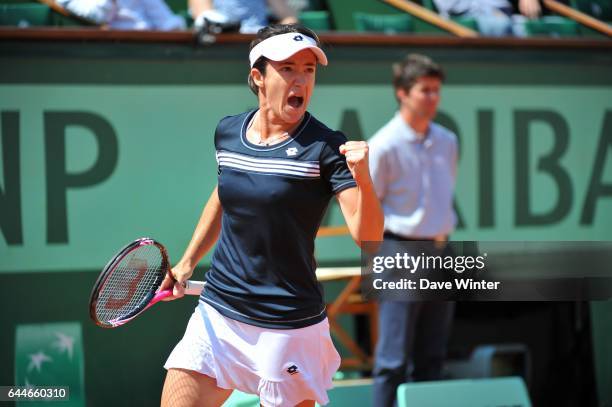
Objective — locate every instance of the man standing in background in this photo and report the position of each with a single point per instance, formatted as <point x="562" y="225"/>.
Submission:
<point x="413" y="164"/>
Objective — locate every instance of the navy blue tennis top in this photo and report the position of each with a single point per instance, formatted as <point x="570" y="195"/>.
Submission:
<point x="273" y="199"/>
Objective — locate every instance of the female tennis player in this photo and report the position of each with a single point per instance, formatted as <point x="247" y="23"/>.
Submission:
<point x="260" y="326"/>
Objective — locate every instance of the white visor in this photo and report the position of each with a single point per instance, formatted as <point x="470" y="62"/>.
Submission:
<point x="283" y="46"/>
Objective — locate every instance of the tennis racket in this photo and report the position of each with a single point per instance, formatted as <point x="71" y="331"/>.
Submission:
<point x="128" y="284"/>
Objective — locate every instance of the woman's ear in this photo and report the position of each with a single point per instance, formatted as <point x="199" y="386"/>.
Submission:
<point x="257" y="77"/>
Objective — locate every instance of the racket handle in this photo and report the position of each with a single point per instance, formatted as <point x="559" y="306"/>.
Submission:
<point x="191" y="288"/>
<point x="159" y="296"/>
<point x="194" y="287"/>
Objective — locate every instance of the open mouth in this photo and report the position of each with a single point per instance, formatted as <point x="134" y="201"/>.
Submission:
<point x="295" y="101"/>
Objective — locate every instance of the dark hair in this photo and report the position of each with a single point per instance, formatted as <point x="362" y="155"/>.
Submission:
<point x="413" y="67"/>
<point x="271" y="31"/>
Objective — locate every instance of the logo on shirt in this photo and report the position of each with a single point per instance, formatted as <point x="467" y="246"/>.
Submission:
<point x="298" y="38"/>
<point x="291" y="151"/>
<point x="293" y="369"/>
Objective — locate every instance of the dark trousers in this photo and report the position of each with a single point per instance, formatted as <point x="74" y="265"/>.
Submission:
<point x="412" y="339"/>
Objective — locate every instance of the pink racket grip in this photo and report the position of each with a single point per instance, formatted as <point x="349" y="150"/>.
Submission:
<point x="191" y="288"/>
<point x="160" y="296"/>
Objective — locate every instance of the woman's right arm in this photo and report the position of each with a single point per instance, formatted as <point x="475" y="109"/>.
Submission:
<point x="204" y="237"/>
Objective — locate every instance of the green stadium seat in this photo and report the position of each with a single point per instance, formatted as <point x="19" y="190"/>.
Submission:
<point x="25" y="15"/>
<point x="343" y="15"/>
<point x="386" y="23"/>
<point x="3" y="2"/>
<point x="468" y="22"/>
<point x="316" y="20"/>
<point x="342" y="11"/>
<point x="59" y="20"/>
<point x="553" y="26"/>
<point x="600" y="9"/>
<point x="28" y="13"/>
<point x="504" y="391"/>
<point x="429" y="4"/>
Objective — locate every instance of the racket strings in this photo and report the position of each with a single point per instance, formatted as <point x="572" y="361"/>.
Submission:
<point x="130" y="283"/>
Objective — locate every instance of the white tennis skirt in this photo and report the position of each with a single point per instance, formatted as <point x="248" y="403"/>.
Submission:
<point x="282" y="366"/>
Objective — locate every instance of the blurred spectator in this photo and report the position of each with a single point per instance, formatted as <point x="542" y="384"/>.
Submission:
<point x="251" y="14"/>
<point x="495" y="18"/>
<point x="127" y="14"/>
<point x="413" y="164"/>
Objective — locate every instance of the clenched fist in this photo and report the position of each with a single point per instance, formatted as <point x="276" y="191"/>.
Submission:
<point x="356" y="153"/>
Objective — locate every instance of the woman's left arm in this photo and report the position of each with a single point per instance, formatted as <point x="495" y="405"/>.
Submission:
<point x="360" y="206"/>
